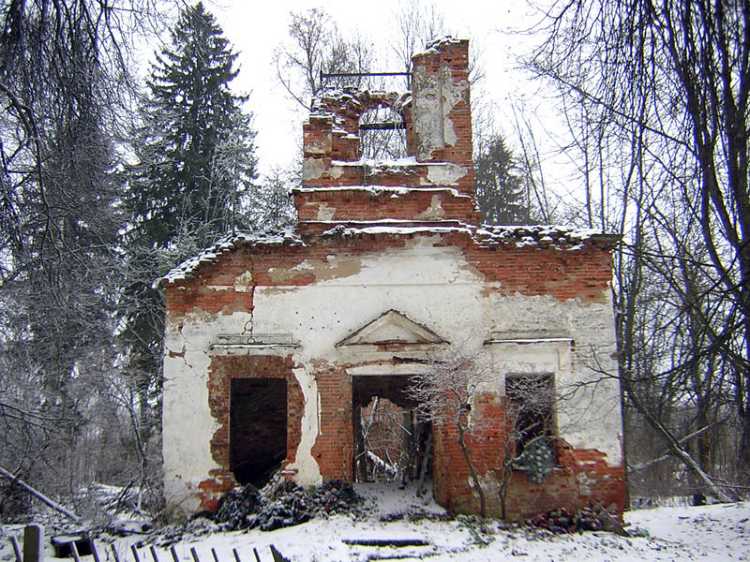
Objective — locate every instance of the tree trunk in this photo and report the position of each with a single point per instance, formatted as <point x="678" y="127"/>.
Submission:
<point x="743" y="461"/>
<point x="472" y="471"/>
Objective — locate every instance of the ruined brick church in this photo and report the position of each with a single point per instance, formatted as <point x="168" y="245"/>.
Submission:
<point x="275" y="343"/>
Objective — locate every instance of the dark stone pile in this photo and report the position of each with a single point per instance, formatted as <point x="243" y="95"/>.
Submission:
<point x="592" y="518"/>
<point x="282" y="504"/>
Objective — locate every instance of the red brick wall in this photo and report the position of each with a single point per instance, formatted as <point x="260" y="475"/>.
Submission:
<point x="584" y="274"/>
<point x="334" y="447"/>
<point x="221" y="372"/>
<point x="603" y="484"/>
<point x="376" y="205"/>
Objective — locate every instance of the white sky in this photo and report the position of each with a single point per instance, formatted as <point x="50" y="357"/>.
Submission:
<point x="256" y="28"/>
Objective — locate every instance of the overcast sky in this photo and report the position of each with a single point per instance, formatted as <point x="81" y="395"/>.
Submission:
<point x="256" y="28"/>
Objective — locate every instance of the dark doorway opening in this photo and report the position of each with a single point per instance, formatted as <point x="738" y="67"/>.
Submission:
<point x="257" y="430"/>
<point x="392" y="444"/>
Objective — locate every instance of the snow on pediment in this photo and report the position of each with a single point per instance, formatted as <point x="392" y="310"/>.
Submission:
<point x="392" y="327"/>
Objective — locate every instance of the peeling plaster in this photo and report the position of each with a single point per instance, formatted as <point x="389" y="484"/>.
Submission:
<point x="438" y="95"/>
<point x="313" y="168"/>
<point x="308" y="470"/>
<point x="325" y="213"/>
<point x="449" y="174"/>
<point x="322" y="146"/>
<point x="243" y="282"/>
<point x="434" y="211"/>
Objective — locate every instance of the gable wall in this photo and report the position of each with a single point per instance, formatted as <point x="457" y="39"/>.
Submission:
<point x="320" y="293"/>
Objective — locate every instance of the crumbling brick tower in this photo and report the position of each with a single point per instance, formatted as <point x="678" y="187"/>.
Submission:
<point x="274" y="342"/>
<point x="436" y="184"/>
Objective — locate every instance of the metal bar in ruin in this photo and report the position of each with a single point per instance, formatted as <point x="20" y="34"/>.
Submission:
<point x="381" y="126"/>
<point x="326" y="75"/>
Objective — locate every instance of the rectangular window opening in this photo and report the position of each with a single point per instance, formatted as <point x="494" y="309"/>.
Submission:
<point x="531" y="399"/>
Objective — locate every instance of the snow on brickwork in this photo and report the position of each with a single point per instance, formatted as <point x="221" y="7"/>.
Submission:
<point x="410" y="228"/>
<point x="328" y="100"/>
<point x="227" y="244"/>
<point x="543" y="236"/>
<point x="377" y="189"/>
<point x="436" y="45"/>
<point x="562" y="237"/>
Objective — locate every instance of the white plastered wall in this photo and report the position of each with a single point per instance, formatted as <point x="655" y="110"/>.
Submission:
<point x="433" y="286"/>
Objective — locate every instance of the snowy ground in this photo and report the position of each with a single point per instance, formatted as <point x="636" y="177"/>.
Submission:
<point x="716" y="533"/>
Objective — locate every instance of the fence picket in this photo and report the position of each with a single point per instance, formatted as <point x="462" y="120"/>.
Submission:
<point x="277" y="556"/>
<point x="94" y="552"/>
<point x="16" y="549"/>
<point x="74" y="551"/>
<point x="33" y="543"/>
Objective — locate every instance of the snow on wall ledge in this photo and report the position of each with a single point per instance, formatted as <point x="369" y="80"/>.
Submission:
<point x="318" y="292"/>
<point x="541" y="236"/>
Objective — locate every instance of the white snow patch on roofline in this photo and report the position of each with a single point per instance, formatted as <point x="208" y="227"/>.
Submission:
<point x="379" y="188"/>
<point x="187" y="268"/>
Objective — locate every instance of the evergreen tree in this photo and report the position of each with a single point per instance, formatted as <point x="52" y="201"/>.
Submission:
<point x="196" y="163"/>
<point x="501" y="194"/>
<point x="196" y="147"/>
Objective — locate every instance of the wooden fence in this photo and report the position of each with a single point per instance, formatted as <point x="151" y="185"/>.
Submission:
<point x="33" y="551"/>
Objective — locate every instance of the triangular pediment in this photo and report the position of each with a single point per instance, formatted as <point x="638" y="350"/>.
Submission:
<point x="392" y="327"/>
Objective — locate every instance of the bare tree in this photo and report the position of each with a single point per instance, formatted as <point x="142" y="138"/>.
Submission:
<point x="65" y="87"/>
<point x="661" y="99"/>
<point x="445" y="395"/>
<point x="420" y="22"/>
<point x="316" y="46"/>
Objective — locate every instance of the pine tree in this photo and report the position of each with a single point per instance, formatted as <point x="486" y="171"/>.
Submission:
<point x="196" y="164"/>
<point x="500" y="188"/>
<point x="196" y="146"/>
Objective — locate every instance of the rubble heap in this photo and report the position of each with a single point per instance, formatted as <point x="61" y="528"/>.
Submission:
<point x="283" y="503"/>
<point x="592" y="518"/>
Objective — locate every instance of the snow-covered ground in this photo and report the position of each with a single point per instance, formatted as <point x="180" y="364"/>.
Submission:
<point x="716" y="533"/>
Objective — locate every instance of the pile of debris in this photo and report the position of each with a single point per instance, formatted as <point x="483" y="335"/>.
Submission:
<point x="592" y="518"/>
<point x="282" y="503"/>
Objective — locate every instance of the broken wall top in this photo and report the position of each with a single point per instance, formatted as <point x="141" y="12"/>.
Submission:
<point x="434" y="182"/>
<point x="429" y="192"/>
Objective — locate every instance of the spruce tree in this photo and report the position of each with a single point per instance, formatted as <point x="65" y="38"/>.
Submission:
<point x="500" y="188"/>
<point x="196" y="145"/>
<point x="196" y="163"/>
